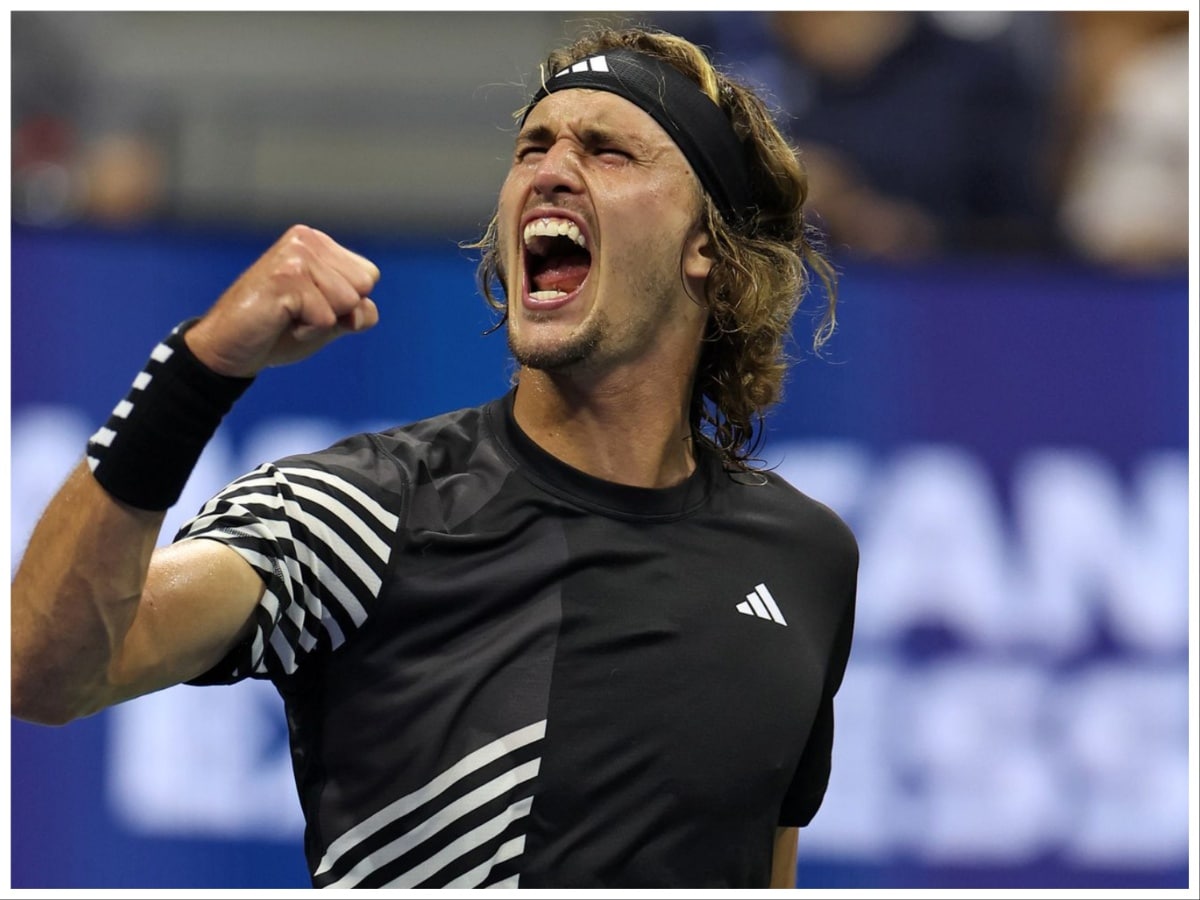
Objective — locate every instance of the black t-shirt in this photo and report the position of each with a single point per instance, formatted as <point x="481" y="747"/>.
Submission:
<point x="500" y="671"/>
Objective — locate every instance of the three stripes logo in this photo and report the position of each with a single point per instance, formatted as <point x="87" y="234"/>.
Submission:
<point x="761" y="604"/>
<point x="591" y="64"/>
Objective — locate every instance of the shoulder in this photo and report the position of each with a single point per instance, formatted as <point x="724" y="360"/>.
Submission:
<point x="765" y="493"/>
<point x="372" y="475"/>
<point x="378" y="455"/>
<point x="446" y="440"/>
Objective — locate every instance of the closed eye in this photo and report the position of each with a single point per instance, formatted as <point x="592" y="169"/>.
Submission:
<point x="523" y="153"/>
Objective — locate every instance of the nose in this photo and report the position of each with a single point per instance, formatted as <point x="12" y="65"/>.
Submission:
<point x="557" y="172"/>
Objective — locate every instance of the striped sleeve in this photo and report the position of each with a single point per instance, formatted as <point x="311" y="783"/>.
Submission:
<point x="321" y="545"/>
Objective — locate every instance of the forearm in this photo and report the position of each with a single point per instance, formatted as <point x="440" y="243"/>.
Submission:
<point x="74" y="598"/>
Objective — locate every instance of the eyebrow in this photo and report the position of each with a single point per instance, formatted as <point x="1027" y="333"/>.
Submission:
<point x="535" y="134"/>
<point x="592" y="136"/>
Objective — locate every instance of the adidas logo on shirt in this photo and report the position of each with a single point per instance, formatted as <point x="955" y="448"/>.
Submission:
<point x="760" y="603"/>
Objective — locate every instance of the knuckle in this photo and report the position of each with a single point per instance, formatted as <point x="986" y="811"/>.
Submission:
<point x="299" y="242"/>
<point x="298" y="232"/>
<point x="358" y="281"/>
<point x="292" y="265"/>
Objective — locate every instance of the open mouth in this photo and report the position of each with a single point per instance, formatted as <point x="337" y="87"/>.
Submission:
<point x="557" y="260"/>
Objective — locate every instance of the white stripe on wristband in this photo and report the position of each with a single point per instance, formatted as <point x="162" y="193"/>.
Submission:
<point x="104" y="437"/>
<point x="145" y="452"/>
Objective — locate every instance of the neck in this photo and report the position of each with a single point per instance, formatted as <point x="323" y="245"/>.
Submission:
<point x="621" y="429"/>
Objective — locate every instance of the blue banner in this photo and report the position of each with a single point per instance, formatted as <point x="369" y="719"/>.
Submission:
<point x="1008" y="439"/>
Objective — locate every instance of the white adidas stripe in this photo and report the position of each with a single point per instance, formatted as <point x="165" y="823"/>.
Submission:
<point x="770" y="603"/>
<point x="497" y="787"/>
<point x="757" y="605"/>
<point x="508" y="850"/>
<point x="476" y="837"/>
<point x="591" y="64"/>
<point x="406" y="804"/>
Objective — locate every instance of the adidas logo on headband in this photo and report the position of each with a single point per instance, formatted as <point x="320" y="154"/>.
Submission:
<point x="694" y="121"/>
<point x="592" y="64"/>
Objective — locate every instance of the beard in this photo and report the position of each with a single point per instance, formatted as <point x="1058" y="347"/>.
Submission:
<point x="561" y="355"/>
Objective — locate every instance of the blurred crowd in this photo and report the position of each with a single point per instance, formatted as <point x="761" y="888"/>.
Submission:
<point x="924" y="134"/>
<point x="79" y="153"/>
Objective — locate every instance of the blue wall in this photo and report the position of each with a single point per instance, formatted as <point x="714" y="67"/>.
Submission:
<point x="1008" y="439"/>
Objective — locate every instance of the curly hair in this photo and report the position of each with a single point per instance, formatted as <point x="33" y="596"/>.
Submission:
<point x="762" y="267"/>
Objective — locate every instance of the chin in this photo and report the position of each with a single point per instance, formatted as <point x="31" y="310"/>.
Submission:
<point x="558" y="354"/>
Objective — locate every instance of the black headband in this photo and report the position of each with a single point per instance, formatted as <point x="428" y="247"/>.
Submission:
<point x="695" y="123"/>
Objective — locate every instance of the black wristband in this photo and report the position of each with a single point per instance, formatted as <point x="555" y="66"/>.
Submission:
<point x="146" y="450"/>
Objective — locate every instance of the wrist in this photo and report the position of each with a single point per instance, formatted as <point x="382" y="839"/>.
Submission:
<point x="200" y="347"/>
<point x="148" y="447"/>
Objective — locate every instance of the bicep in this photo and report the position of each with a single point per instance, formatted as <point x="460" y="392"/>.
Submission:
<point x="198" y="602"/>
<point x="783" y="859"/>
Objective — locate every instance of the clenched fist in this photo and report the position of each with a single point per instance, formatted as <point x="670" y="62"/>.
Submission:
<point x="302" y="293"/>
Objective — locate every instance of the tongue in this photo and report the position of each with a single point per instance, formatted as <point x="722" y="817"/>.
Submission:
<point x="561" y="275"/>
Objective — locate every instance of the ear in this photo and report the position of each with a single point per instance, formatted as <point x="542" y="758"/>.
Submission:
<point x="698" y="255"/>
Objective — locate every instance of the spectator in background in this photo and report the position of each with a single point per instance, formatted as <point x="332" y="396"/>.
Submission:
<point x="77" y="153"/>
<point x="1124" y="159"/>
<point x="917" y="141"/>
<point x="47" y="89"/>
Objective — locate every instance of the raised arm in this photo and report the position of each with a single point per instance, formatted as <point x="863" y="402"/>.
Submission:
<point x="100" y="616"/>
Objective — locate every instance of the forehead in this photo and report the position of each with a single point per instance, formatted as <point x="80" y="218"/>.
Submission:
<point x="585" y="109"/>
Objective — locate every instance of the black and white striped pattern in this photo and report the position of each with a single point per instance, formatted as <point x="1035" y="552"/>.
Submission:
<point x="329" y="544"/>
<point x="103" y="438"/>
<point x="144" y="454"/>
<point x="465" y="828"/>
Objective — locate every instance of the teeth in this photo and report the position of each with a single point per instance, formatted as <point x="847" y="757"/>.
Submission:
<point x="546" y="295"/>
<point x="554" y="227"/>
